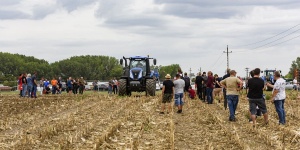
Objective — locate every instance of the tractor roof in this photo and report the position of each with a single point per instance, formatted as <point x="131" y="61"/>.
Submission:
<point x="139" y="57"/>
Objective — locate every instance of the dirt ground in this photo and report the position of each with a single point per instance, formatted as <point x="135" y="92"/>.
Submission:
<point x="99" y="121"/>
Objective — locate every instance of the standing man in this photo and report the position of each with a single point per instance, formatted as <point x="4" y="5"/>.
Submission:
<point x="179" y="92"/>
<point x="70" y="85"/>
<point x="167" y="94"/>
<point x="198" y="86"/>
<point x="204" y="85"/>
<point x="34" y="85"/>
<point x="232" y="93"/>
<point x="81" y="85"/>
<point x="59" y="82"/>
<point x="278" y="96"/>
<point x="255" y="96"/>
<point x="24" y="85"/>
<point x="218" y="89"/>
<point x="224" y="89"/>
<point x="187" y="82"/>
<point x="209" y="87"/>
<point x="54" y="85"/>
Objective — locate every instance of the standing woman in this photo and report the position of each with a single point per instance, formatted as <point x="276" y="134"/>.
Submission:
<point x="278" y="96"/>
<point x="29" y="85"/>
<point x="20" y="84"/>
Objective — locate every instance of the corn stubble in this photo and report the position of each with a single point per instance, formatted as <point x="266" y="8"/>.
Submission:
<point x="99" y="121"/>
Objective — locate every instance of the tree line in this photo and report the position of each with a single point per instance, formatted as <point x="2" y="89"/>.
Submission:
<point x="91" y="67"/>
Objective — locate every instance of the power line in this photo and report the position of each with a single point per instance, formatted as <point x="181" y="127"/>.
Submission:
<point x="273" y="44"/>
<point x="275" y="40"/>
<point x="216" y="60"/>
<point x="269" y="37"/>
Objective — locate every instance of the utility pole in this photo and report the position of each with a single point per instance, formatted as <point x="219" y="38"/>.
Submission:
<point x="247" y="71"/>
<point x="227" y="57"/>
<point x="246" y="80"/>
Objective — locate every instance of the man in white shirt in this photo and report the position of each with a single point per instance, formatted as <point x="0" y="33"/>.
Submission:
<point x="278" y="96"/>
<point x="295" y="83"/>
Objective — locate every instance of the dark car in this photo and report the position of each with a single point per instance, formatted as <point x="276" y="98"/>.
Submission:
<point x="103" y="87"/>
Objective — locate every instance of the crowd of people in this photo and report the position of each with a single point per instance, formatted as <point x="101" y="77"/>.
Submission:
<point x="228" y="88"/>
<point x="28" y="85"/>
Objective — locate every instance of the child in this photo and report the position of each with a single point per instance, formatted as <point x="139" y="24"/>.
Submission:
<point x="192" y="93"/>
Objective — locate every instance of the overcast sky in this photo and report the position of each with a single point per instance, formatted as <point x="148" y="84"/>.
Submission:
<point x="192" y="33"/>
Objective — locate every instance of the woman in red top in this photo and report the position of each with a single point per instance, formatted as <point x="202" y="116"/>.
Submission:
<point x="20" y="84"/>
<point x="192" y="93"/>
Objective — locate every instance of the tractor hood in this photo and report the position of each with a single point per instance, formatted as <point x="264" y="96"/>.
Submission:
<point x="136" y="73"/>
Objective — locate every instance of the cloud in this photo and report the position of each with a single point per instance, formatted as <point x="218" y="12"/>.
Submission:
<point x="218" y="9"/>
<point x="13" y="14"/>
<point x="72" y="5"/>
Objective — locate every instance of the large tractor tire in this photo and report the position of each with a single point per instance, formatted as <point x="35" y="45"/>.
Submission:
<point x="150" y="87"/>
<point x="122" y="87"/>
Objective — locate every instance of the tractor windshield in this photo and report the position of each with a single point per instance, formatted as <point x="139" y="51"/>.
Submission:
<point x="138" y="64"/>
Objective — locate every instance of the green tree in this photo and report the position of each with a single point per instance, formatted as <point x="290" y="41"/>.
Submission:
<point x="170" y="69"/>
<point x="295" y="65"/>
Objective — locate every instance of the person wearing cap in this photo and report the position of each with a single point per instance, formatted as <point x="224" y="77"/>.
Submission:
<point x="231" y="84"/>
<point x="179" y="85"/>
<point x="167" y="93"/>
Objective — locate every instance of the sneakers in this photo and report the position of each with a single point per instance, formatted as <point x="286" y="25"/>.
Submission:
<point x="232" y="119"/>
<point x="179" y="111"/>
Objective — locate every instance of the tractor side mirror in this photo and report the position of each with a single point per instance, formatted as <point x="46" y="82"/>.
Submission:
<point x="121" y="62"/>
<point x="154" y="61"/>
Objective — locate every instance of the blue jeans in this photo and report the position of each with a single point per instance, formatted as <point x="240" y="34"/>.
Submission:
<point x="110" y="89"/>
<point x="24" y="90"/>
<point x="29" y="90"/>
<point x="233" y="101"/>
<point x="54" y="89"/>
<point x="34" y="89"/>
<point x="209" y="93"/>
<point x="178" y="99"/>
<point x="279" y="105"/>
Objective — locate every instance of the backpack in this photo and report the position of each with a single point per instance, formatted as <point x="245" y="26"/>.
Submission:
<point x="187" y="81"/>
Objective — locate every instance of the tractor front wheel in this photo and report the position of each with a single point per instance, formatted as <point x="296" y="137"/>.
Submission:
<point x="122" y="87"/>
<point x="150" y="87"/>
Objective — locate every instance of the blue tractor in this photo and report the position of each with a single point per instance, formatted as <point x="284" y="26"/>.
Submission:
<point x="268" y="76"/>
<point x="137" y="76"/>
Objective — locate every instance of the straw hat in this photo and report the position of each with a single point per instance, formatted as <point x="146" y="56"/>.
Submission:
<point x="168" y="76"/>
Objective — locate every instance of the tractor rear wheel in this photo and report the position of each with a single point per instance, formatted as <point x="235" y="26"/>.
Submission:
<point x="122" y="87"/>
<point x="150" y="87"/>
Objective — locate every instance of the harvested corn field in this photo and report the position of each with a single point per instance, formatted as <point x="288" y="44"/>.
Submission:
<point x="98" y="121"/>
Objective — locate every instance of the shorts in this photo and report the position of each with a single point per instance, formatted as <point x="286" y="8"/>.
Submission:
<point x="178" y="99"/>
<point x="70" y="88"/>
<point x="253" y="103"/>
<point x="95" y="88"/>
<point x="167" y="98"/>
<point x="218" y="91"/>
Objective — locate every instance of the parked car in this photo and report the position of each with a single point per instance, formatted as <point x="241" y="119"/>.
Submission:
<point x="103" y="87"/>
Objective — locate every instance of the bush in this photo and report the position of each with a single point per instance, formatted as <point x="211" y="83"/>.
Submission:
<point x="10" y="83"/>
